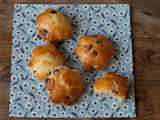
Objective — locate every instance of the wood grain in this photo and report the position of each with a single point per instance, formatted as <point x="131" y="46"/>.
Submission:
<point x="146" y="45"/>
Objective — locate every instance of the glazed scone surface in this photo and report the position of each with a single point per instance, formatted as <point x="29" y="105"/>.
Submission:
<point x="94" y="51"/>
<point x="53" y="26"/>
<point x="113" y="84"/>
<point x="64" y="85"/>
<point x="44" y="58"/>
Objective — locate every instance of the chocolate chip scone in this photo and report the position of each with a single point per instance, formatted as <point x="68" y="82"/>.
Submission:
<point x="94" y="51"/>
<point x="44" y="58"/>
<point x="65" y="85"/>
<point x="53" y="26"/>
<point x="112" y="84"/>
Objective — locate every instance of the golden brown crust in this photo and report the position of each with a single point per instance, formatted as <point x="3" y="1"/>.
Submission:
<point x="44" y="58"/>
<point x="53" y="26"/>
<point x="113" y="84"/>
<point x="94" y="51"/>
<point x="64" y="85"/>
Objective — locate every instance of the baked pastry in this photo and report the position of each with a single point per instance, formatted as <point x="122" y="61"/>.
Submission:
<point x="64" y="85"/>
<point x="44" y="58"/>
<point x="53" y="26"/>
<point x="113" y="84"/>
<point x="94" y="51"/>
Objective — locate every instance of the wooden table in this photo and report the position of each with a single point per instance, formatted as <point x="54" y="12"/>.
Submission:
<point x="146" y="44"/>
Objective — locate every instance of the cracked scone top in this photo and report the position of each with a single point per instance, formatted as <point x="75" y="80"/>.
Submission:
<point x="113" y="84"/>
<point x="44" y="58"/>
<point x="94" y="51"/>
<point x="53" y="26"/>
<point x="64" y="85"/>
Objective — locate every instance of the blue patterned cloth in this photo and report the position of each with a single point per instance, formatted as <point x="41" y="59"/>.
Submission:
<point x="28" y="96"/>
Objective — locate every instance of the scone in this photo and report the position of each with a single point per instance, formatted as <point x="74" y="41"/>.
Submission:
<point x="94" y="51"/>
<point x="44" y="58"/>
<point x="112" y="84"/>
<point x="53" y="26"/>
<point x="64" y="85"/>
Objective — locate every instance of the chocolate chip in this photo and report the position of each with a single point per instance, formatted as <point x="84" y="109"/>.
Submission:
<point x="68" y="97"/>
<point x="56" y="71"/>
<point x="88" y="47"/>
<point x="34" y="72"/>
<point x="91" y="68"/>
<point x="39" y="37"/>
<point x="94" y="52"/>
<point x="98" y="41"/>
<point x="46" y="80"/>
<point x="114" y="91"/>
<point x="57" y="45"/>
<point x="53" y="11"/>
<point x="44" y="32"/>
